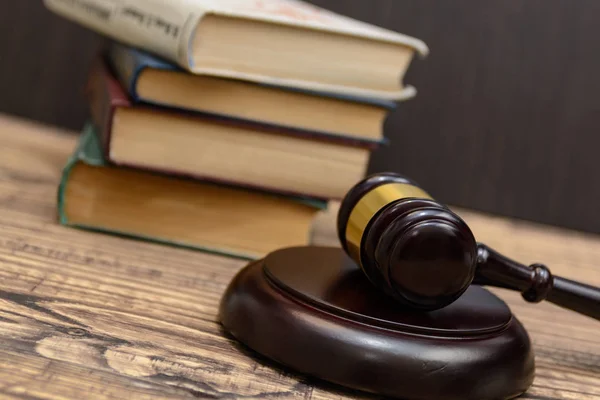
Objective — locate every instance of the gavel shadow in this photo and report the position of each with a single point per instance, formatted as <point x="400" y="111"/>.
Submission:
<point x="352" y="294"/>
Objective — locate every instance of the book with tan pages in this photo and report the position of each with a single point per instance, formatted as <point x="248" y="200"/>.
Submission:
<point x="221" y="149"/>
<point x="151" y="80"/>
<point x="183" y="212"/>
<point x="280" y="42"/>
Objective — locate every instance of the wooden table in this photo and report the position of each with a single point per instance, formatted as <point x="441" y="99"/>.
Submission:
<point x="87" y="315"/>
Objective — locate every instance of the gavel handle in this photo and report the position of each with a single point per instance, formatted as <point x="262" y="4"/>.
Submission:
<point x="579" y="297"/>
<point x="535" y="282"/>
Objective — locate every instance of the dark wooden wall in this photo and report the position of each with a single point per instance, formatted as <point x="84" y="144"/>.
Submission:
<point x="43" y="64"/>
<point x="506" y="119"/>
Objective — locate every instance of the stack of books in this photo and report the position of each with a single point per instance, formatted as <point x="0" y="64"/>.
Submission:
<point x="227" y="125"/>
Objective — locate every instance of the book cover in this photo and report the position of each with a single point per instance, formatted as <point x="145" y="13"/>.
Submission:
<point x="89" y="151"/>
<point x="104" y="95"/>
<point x="165" y="27"/>
<point x="168" y="29"/>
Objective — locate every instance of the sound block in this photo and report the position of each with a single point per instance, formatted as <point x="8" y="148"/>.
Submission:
<point x="311" y="309"/>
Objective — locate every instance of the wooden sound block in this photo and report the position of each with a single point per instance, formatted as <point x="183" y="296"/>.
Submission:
<point x="312" y="310"/>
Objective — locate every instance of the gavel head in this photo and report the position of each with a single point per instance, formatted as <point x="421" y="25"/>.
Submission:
<point x="413" y="248"/>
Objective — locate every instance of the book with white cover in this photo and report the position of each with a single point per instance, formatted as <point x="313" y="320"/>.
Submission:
<point x="282" y="42"/>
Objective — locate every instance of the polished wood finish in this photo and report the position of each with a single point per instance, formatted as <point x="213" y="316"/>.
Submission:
<point x="425" y="256"/>
<point x="313" y="310"/>
<point x="536" y="283"/>
<point x="408" y="242"/>
<point x="87" y="315"/>
<point x="356" y="193"/>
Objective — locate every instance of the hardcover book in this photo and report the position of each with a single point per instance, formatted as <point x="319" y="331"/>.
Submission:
<point x="220" y="149"/>
<point x="281" y="42"/>
<point x="200" y="215"/>
<point x="151" y="80"/>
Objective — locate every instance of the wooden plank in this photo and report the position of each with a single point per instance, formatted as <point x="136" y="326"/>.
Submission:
<point x="90" y="315"/>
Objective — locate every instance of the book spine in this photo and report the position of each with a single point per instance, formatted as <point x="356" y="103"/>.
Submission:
<point x="126" y="68"/>
<point x="104" y="96"/>
<point x="60" y="193"/>
<point x="161" y="27"/>
<point x="78" y="155"/>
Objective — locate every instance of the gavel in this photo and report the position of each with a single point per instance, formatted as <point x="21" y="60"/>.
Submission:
<point x="423" y="255"/>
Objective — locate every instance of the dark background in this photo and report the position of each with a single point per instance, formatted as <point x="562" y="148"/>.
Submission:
<point x="506" y="119"/>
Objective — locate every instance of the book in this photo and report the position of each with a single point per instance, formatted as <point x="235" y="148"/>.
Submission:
<point x="219" y="149"/>
<point x="281" y="42"/>
<point x="151" y="80"/>
<point x="200" y="215"/>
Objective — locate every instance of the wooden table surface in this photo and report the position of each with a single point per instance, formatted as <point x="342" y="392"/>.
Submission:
<point x="87" y="315"/>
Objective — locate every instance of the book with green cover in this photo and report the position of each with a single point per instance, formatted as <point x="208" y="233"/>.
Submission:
<point x="183" y="212"/>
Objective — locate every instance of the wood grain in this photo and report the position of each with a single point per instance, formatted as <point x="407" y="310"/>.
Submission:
<point x="86" y="315"/>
